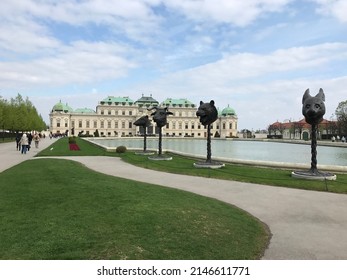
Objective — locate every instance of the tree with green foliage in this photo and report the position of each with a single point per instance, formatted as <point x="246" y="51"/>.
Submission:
<point x="341" y="114"/>
<point x="2" y="112"/>
<point x="20" y="115"/>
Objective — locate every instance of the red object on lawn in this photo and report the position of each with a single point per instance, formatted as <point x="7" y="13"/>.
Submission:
<point x="74" y="147"/>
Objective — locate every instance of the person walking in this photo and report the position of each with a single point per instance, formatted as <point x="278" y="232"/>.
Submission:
<point x="36" y="140"/>
<point x="30" y="138"/>
<point x="24" y="142"/>
<point x="18" y="137"/>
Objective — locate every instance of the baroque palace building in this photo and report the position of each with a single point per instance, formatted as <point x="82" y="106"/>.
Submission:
<point x="115" y="117"/>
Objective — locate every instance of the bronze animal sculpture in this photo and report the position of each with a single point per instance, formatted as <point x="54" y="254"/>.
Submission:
<point x="208" y="113"/>
<point x="160" y="115"/>
<point x="313" y="109"/>
<point x="160" y="118"/>
<point x="144" y="122"/>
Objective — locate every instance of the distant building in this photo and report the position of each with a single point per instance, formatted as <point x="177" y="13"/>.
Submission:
<point x="301" y="130"/>
<point x="115" y="117"/>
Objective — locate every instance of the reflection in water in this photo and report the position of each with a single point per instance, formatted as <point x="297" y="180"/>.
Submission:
<point x="244" y="150"/>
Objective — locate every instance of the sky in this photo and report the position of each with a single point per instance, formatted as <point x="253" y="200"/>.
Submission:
<point x="256" y="56"/>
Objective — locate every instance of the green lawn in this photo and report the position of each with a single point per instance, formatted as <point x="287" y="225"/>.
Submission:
<point x="58" y="209"/>
<point x="61" y="148"/>
<point x="184" y="165"/>
<point x="243" y="173"/>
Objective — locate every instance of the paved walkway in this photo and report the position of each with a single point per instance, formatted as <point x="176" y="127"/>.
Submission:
<point x="9" y="156"/>
<point x="304" y="224"/>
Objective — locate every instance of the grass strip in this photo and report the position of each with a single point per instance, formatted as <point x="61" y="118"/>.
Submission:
<point x="58" y="209"/>
<point x="184" y="165"/>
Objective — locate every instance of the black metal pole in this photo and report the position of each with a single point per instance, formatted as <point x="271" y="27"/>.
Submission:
<point x="159" y="140"/>
<point x="208" y="143"/>
<point x="144" y="139"/>
<point x="314" y="148"/>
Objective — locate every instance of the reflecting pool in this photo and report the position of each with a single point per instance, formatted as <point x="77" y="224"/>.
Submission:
<point x="242" y="150"/>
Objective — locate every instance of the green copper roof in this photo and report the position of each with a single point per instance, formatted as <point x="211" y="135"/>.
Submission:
<point x="117" y="100"/>
<point x="85" y="111"/>
<point x="147" y="100"/>
<point x="228" y="111"/>
<point x="60" y="107"/>
<point x="182" y="102"/>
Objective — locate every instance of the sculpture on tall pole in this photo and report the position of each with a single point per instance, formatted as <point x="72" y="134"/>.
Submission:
<point x="144" y="122"/>
<point x="160" y="118"/>
<point x="313" y="109"/>
<point x="208" y="114"/>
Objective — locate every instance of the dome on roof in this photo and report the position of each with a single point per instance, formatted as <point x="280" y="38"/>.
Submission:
<point x="60" y="107"/>
<point x="228" y="111"/>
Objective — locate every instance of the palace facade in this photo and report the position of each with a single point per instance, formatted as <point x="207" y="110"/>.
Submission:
<point x="115" y="117"/>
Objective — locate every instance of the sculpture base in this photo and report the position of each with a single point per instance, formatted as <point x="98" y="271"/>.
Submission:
<point x="160" y="157"/>
<point x="211" y="164"/>
<point x="314" y="175"/>
<point x="144" y="153"/>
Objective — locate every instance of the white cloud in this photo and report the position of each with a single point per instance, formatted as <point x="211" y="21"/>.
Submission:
<point x="240" y="13"/>
<point x="235" y="67"/>
<point x="262" y="83"/>
<point x="81" y="62"/>
<point x="246" y="82"/>
<point x="336" y="8"/>
<point x="26" y="37"/>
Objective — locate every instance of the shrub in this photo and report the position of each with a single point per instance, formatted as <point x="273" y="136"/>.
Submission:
<point x="72" y="140"/>
<point x="121" y="149"/>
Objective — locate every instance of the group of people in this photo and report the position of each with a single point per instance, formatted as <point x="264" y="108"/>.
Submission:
<point x="24" y="141"/>
<point x="337" y="139"/>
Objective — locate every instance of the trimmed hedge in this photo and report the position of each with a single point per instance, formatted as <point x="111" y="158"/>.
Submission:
<point x="121" y="149"/>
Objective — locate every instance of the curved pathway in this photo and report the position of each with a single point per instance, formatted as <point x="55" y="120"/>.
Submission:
<point x="304" y="224"/>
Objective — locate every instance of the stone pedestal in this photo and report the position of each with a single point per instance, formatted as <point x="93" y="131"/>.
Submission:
<point x="144" y="153"/>
<point x="212" y="164"/>
<point x="160" y="157"/>
<point x="310" y="175"/>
